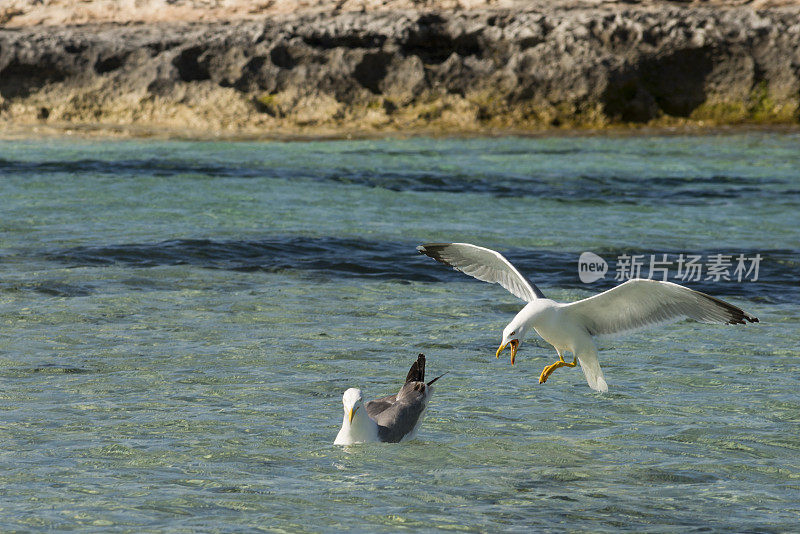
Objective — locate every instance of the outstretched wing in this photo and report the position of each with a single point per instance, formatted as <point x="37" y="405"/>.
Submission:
<point x="640" y="303"/>
<point x="484" y="264"/>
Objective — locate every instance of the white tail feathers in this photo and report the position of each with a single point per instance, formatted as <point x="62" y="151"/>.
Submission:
<point x="591" y="369"/>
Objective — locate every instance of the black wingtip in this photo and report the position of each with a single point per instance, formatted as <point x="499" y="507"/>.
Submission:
<point x="433" y="250"/>
<point x="417" y="371"/>
<point x="737" y="315"/>
<point x="744" y="319"/>
<point x="740" y="317"/>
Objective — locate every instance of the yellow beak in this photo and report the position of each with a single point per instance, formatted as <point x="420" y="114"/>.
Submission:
<point x="351" y="413"/>
<point x="514" y="346"/>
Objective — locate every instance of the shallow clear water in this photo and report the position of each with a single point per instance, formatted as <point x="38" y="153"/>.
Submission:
<point x="178" y="321"/>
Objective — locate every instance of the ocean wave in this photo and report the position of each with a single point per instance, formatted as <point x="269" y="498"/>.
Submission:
<point x="398" y="260"/>
<point x="600" y="188"/>
<point x="130" y="167"/>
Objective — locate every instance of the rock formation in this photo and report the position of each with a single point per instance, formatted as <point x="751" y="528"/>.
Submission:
<point x="457" y="71"/>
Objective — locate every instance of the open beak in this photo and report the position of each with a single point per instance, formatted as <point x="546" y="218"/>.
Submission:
<point x="351" y="413"/>
<point x="514" y="346"/>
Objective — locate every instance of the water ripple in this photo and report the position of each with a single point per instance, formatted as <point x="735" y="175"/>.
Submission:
<point x="397" y="260"/>
<point x="604" y="188"/>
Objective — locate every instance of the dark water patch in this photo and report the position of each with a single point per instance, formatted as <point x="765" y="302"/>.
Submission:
<point x="50" y="288"/>
<point x="54" y="368"/>
<point x="610" y="188"/>
<point x="673" y="476"/>
<point x="605" y="189"/>
<point x="467" y="150"/>
<point x="328" y="255"/>
<point x="130" y="167"/>
<point x="141" y="283"/>
<point x="563" y="498"/>
<point x="228" y="489"/>
<point x="398" y="260"/>
<point x="432" y="182"/>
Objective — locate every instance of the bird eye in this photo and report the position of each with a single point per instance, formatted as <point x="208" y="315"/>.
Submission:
<point x="512" y="333"/>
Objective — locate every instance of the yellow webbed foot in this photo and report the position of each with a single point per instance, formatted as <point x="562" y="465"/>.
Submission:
<point x="547" y="371"/>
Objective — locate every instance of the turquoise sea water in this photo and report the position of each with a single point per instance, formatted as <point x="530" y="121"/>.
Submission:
<point x="178" y="321"/>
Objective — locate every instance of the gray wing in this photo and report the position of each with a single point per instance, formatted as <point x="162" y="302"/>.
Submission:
<point x="484" y="264"/>
<point x="639" y="303"/>
<point x="378" y="406"/>
<point x="399" y="414"/>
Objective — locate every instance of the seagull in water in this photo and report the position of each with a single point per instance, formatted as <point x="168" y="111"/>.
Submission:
<point x="391" y="419"/>
<point x="570" y="327"/>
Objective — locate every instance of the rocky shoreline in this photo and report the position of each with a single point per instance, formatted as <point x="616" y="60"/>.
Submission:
<point x="408" y="71"/>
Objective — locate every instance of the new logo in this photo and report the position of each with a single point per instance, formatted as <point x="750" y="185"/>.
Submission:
<point x="591" y="267"/>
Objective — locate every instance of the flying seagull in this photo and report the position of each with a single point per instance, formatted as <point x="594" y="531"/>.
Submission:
<point x="391" y="419"/>
<point x="570" y="327"/>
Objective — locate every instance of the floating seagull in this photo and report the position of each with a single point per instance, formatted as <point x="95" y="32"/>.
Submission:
<point x="391" y="418"/>
<point x="569" y="327"/>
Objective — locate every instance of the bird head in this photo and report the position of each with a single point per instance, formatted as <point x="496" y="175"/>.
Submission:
<point x="352" y="402"/>
<point x="512" y="336"/>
